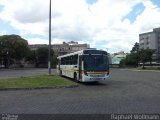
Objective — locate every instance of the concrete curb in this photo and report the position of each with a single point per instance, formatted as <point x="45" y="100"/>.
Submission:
<point x="37" y="88"/>
<point x="141" y="70"/>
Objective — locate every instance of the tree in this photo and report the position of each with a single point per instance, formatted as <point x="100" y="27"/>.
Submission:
<point x="31" y="57"/>
<point x="142" y="55"/>
<point x="39" y="57"/>
<point x="132" y="58"/>
<point x="14" y="46"/>
<point x="150" y="54"/>
<point x="135" y="48"/>
<point x="42" y="56"/>
<point x="146" y="55"/>
<point x="135" y="52"/>
<point x="54" y="61"/>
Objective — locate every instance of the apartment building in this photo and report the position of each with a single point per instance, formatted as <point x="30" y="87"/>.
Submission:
<point x="64" y="48"/>
<point x="151" y="40"/>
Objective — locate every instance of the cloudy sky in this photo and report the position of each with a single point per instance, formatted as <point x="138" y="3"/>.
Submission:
<point x="104" y="24"/>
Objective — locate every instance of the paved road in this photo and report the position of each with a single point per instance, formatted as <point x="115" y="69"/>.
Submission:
<point x="126" y="91"/>
<point x="11" y="73"/>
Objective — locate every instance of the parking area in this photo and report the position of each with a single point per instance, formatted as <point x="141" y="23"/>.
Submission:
<point x="11" y="73"/>
<point x="126" y="91"/>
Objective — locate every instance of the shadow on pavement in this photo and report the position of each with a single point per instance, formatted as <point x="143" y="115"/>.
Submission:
<point x="96" y="83"/>
<point x="93" y="83"/>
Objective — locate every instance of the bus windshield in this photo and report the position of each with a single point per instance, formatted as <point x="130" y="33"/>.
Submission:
<point x="95" y="62"/>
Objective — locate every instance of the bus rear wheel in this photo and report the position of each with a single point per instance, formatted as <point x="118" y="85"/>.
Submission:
<point x="60" y="74"/>
<point x="75" y="77"/>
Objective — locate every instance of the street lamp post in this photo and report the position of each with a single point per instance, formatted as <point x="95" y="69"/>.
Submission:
<point x="49" y="55"/>
<point x="107" y="49"/>
<point x="7" y="62"/>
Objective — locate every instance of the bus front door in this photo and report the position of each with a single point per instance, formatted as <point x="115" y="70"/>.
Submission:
<point x="80" y="68"/>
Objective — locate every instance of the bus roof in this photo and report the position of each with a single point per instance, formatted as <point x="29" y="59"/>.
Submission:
<point x="85" y="51"/>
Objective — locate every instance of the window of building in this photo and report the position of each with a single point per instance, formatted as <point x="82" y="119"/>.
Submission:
<point x="147" y="42"/>
<point x="141" y="41"/>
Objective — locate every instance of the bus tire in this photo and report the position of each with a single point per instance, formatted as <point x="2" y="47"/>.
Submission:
<point x="75" y="77"/>
<point x="60" y="74"/>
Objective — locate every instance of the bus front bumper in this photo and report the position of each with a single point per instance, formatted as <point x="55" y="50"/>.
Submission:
<point x="86" y="78"/>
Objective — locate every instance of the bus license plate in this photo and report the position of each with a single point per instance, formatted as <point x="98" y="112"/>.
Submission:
<point x="97" y="79"/>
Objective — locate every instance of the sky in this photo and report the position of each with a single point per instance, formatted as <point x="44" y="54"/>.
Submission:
<point x="111" y="25"/>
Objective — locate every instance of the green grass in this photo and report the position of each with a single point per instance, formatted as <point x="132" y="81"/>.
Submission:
<point x="36" y="82"/>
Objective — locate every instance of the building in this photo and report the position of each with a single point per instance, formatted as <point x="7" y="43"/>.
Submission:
<point x="151" y="40"/>
<point x="36" y="46"/>
<point x="117" y="57"/>
<point x="62" y="49"/>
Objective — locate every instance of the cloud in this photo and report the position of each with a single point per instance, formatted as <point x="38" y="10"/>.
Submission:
<point x="36" y="40"/>
<point x="3" y="32"/>
<point x="102" y="24"/>
<point x="149" y="18"/>
<point x="25" y="11"/>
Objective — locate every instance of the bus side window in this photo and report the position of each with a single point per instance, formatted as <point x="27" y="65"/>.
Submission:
<point x="67" y="60"/>
<point x="71" y="60"/>
<point x="75" y="59"/>
<point x="61" y="61"/>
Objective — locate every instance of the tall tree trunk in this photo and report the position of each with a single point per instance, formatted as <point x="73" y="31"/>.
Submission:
<point x="150" y="63"/>
<point x="143" y="66"/>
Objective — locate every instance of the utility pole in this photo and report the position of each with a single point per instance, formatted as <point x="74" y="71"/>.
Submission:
<point x="49" y="46"/>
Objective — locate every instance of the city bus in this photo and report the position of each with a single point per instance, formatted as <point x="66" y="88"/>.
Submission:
<point x="84" y="66"/>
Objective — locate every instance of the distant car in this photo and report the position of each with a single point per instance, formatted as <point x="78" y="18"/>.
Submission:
<point x="2" y="66"/>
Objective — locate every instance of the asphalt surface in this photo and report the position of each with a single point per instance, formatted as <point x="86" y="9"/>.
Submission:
<point x="126" y="91"/>
<point x="12" y="73"/>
